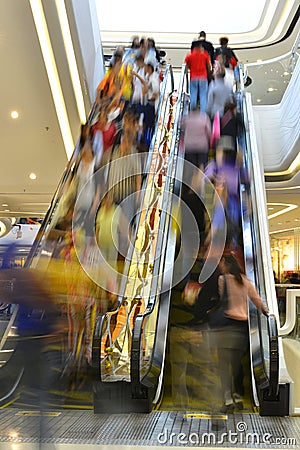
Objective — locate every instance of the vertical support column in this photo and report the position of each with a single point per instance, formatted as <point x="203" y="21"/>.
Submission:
<point x="88" y="31"/>
<point x="297" y="248"/>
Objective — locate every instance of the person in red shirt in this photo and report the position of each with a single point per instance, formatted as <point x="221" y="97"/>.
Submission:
<point x="198" y="62"/>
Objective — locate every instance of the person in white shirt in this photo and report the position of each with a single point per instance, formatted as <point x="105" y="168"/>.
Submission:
<point x="138" y="70"/>
<point x="151" y="91"/>
<point x="153" y="85"/>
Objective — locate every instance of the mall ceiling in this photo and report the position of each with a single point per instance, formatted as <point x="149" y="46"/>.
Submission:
<point x="34" y="144"/>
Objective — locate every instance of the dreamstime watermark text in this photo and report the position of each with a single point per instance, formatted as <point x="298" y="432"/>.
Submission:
<point x="239" y="436"/>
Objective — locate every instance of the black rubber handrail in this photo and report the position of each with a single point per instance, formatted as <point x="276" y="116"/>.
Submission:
<point x="274" y="357"/>
<point x="96" y="346"/>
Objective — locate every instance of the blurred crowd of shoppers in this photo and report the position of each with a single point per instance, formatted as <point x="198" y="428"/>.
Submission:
<point x="121" y="127"/>
<point x="93" y="222"/>
<point x="206" y="65"/>
<point x="99" y="201"/>
<point x="133" y="79"/>
<point x="91" y="226"/>
<point x="212" y="126"/>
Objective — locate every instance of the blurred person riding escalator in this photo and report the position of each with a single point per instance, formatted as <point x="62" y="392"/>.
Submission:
<point x="229" y="329"/>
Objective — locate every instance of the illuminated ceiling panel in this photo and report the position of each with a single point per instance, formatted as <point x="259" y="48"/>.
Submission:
<point x="164" y="17"/>
<point x="259" y="22"/>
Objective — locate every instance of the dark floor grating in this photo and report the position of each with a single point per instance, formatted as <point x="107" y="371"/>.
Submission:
<point x="158" y="429"/>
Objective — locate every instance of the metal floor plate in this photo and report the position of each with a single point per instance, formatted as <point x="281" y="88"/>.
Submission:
<point x="158" y="428"/>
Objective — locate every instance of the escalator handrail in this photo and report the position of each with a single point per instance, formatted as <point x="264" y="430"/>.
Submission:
<point x="274" y="357"/>
<point x="271" y="375"/>
<point x="259" y="377"/>
<point x="96" y="347"/>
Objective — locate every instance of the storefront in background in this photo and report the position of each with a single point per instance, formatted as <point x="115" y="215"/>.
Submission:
<point x="285" y="252"/>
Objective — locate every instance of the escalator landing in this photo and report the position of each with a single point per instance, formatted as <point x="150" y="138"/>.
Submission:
<point x="154" y="429"/>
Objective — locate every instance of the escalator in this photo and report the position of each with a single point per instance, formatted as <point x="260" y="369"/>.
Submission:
<point x="143" y="385"/>
<point x="78" y="297"/>
<point x="268" y="391"/>
<point x="114" y="336"/>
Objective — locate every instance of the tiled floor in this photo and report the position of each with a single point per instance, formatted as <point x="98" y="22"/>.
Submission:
<point x="81" y="430"/>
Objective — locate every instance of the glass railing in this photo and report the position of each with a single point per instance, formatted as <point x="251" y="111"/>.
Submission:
<point x="113" y="335"/>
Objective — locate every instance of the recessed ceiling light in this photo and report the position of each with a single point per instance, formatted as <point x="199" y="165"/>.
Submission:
<point x="7" y="210"/>
<point x="259" y="60"/>
<point x="32" y="176"/>
<point x="270" y="208"/>
<point x="297" y="220"/>
<point x="279" y="223"/>
<point x="285" y="73"/>
<point x="258" y="100"/>
<point x="14" y="114"/>
<point x="271" y="89"/>
<point x="4" y="204"/>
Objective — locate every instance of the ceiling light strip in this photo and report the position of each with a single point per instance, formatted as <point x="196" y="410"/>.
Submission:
<point x="259" y="34"/>
<point x="49" y="60"/>
<point x="291" y="53"/>
<point x="284" y="230"/>
<point x="67" y="38"/>
<point x="288" y="188"/>
<point x="26" y="213"/>
<point x="268" y="61"/>
<point x="282" y="21"/>
<point x="289" y="207"/>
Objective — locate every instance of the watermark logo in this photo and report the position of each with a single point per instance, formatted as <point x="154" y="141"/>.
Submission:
<point x="240" y="436"/>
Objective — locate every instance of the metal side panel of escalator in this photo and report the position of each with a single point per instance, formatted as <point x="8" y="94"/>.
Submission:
<point x="270" y="380"/>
